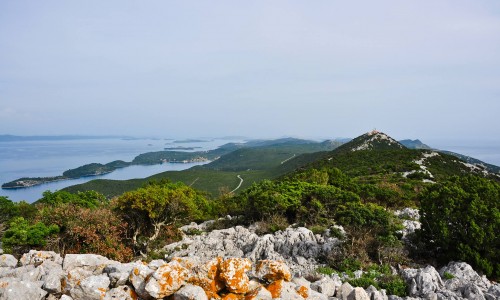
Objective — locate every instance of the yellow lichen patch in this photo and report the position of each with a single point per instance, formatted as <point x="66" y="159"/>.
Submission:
<point x="233" y="274"/>
<point x="272" y="270"/>
<point x="136" y="272"/>
<point x="275" y="288"/>
<point x="303" y="291"/>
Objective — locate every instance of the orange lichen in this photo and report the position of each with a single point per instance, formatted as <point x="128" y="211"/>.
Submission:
<point x="136" y="272"/>
<point x="3" y="284"/>
<point x="232" y="296"/>
<point x="171" y="277"/>
<point x="233" y="274"/>
<point x="275" y="288"/>
<point x="303" y="291"/>
<point x="133" y="295"/>
<point x="212" y="295"/>
<point x="272" y="270"/>
<point x="63" y="283"/>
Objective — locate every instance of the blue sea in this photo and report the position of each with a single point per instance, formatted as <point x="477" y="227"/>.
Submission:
<point x="52" y="158"/>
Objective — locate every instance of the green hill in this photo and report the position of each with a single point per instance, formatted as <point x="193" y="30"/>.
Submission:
<point x="253" y="161"/>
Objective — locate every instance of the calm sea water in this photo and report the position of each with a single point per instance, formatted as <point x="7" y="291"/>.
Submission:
<point x="52" y="158"/>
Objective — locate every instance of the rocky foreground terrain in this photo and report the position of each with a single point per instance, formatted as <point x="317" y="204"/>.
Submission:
<point x="232" y="263"/>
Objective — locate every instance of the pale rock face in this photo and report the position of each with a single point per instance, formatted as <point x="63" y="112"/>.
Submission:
<point x="52" y="280"/>
<point x="121" y="293"/>
<point x="297" y="247"/>
<point x="284" y="290"/>
<point x="65" y="297"/>
<point x="260" y="293"/>
<point x="14" y="289"/>
<point x="464" y="272"/>
<point x="206" y="275"/>
<point x="92" y="262"/>
<point x="138" y="277"/>
<point x="166" y="280"/>
<point x="190" y="292"/>
<point x="422" y="281"/>
<point x="345" y="290"/>
<point x="72" y="278"/>
<point x="233" y="274"/>
<point x="118" y="273"/>
<point x="358" y="294"/>
<point x="7" y="261"/>
<point x="91" y="288"/>
<point x="36" y="258"/>
<point x="271" y="270"/>
<point x="313" y="295"/>
<point x="471" y="291"/>
<point x="155" y="264"/>
<point x="326" y="286"/>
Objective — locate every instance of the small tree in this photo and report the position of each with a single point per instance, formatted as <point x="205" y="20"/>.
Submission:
<point x="150" y="209"/>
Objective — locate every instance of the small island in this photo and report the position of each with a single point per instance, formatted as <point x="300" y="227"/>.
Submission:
<point x="149" y="158"/>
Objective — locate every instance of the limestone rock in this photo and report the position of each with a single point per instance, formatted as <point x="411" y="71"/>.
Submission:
<point x="472" y="291"/>
<point x="138" y="277"/>
<point x="297" y="247"/>
<point x="207" y="276"/>
<point x="65" y="297"/>
<point x="72" y="278"/>
<point x="7" y="261"/>
<point x="284" y="290"/>
<point x="345" y="290"/>
<point x="259" y="293"/>
<point x="326" y="286"/>
<point x="233" y="274"/>
<point x="34" y="257"/>
<point x="190" y="292"/>
<point x="92" y="262"/>
<point x="52" y="282"/>
<point x="166" y="280"/>
<point x="271" y="270"/>
<point x="358" y="294"/>
<point x="118" y="273"/>
<point x="91" y="288"/>
<point x="121" y="293"/>
<point x="422" y="281"/>
<point x="14" y="289"/>
<point x="155" y="264"/>
<point x="465" y="274"/>
<point x="313" y="295"/>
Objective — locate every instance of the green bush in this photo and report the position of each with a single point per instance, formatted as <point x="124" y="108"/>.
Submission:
<point x="22" y="235"/>
<point x="325" y="270"/>
<point x="461" y="220"/>
<point x="394" y="285"/>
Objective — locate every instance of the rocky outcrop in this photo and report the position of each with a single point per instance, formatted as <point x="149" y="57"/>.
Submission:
<point x="297" y="247"/>
<point x="43" y="275"/>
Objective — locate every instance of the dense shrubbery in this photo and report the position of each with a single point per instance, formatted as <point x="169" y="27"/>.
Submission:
<point x="151" y="209"/>
<point x="461" y="221"/>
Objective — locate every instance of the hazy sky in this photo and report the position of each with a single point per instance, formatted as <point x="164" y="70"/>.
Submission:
<point x="426" y="69"/>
